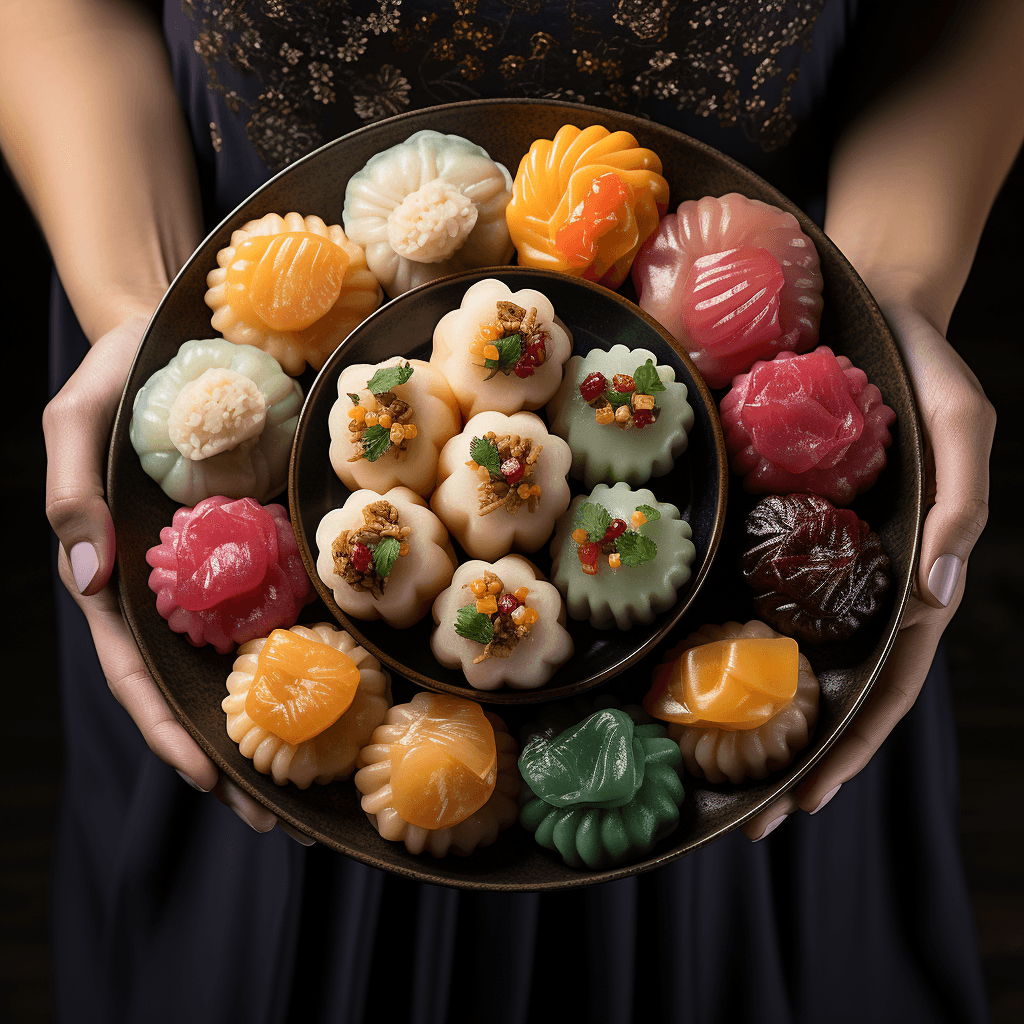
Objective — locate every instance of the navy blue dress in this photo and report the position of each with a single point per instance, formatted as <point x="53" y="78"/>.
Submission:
<point x="859" y="913"/>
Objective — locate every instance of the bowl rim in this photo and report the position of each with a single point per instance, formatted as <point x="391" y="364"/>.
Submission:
<point x="506" y="695"/>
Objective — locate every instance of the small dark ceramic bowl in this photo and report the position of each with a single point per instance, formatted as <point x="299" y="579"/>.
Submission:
<point x="192" y="680"/>
<point x="597" y="318"/>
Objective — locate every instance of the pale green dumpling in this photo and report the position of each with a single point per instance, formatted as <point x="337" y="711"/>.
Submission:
<point x="219" y="418"/>
<point x="625" y="596"/>
<point x="601" y="452"/>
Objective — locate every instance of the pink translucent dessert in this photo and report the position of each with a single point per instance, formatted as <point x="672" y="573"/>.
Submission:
<point x="806" y="423"/>
<point x="733" y="280"/>
<point x="226" y="572"/>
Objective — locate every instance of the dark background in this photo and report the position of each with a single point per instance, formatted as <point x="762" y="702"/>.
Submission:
<point x="983" y="639"/>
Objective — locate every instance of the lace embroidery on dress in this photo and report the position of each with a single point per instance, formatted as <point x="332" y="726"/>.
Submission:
<point x="318" y="68"/>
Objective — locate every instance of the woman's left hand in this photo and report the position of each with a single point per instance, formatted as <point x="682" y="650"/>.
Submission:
<point x="959" y="423"/>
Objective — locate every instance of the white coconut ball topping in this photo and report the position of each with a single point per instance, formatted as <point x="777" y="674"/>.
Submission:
<point x="217" y="412"/>
<point x="432" y="223"/>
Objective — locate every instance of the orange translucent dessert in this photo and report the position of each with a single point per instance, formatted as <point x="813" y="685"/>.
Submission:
<point x="292" y="286"/>
<point x="731" y="684"/>
<point x="740" y="699"/>
<point x="440" y="774"/>
<point x="584" y="202"/>
<point x="303" y="701"/>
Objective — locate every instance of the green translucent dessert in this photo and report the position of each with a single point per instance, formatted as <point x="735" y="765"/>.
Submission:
<point x="619" y="556"/>
<point x="603" y="787"/>
<point x="624" y="417"/>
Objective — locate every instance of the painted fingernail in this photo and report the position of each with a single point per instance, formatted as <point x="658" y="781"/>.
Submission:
<point x="942" y="579"/>
<point x="84" y="563"/>
<point x="192" y="781"/>
<point x="771" y="826"/>
<point x="825" y="799"/>
<point x="295" y="834"/>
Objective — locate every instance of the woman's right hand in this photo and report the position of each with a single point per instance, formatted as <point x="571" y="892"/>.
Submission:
<point x="76" y="426"/>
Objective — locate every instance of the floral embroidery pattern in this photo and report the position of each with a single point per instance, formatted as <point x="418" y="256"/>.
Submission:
<point x="305" y="72"/>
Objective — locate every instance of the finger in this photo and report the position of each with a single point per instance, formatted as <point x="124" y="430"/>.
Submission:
<point x="891" y="698"/>
<point x="294" y="833"/>
<point x="135" y="690"/>
<point x="76" y="427"/>
<point x="254" y="814"/>
<point x="770" y="818"/>
<point x="960" y="424"/>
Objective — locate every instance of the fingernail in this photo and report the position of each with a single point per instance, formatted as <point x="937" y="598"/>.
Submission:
<point x="943" y="576"/>
<point x="192" y="782"/>
<point x="771" y="826"/>
<point x="244" y="818"/>
<point x="295" y="834"/>
<point x="84" y="563"/>
<point x="825" y="799"/>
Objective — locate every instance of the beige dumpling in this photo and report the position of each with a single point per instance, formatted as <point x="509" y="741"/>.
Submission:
<point x="489" y="512"/>
<point x="332" y="753"/>
<point x="423" y="402"/>
<point x="525" y="647"/>
<point x="461" y="337"/>
<point x="425" y="721"/>
<point x="416" y="576"/>
<point x="292" y="286"/>
<point x="721" y="755"/>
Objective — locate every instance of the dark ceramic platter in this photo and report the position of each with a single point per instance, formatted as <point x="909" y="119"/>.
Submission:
<point x="193" y="679"/>
<point x="597" y="318"/>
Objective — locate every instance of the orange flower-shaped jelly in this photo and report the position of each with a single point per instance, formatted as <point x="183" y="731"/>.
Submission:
<point x="584" y="202"/>
<point x="292" y="286"/>
<point x="729" y="684"/>
<point x="290" y="280"/>
<point x="445" y="766"/>
<point x="301" y="687"/>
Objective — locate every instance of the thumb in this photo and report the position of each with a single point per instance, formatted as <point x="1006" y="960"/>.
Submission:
<point x="959" y="424"/>
<point x="76" y="428"/>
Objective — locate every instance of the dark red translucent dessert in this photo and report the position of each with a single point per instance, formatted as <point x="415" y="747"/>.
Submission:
<point x="226" y="572"/>
<point x="808" y="423"/>
<point x="818" y="571"/>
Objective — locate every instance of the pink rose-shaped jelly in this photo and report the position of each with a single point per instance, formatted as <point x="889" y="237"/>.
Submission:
<point x="733" y="280"/>
<point x="228" y="571"/>
<point x="809" y="423"/>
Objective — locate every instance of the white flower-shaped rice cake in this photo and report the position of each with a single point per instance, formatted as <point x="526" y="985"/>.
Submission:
<point x="416" y="579"/>
<point x="458" y="329"/>
<point x="456" y="500"/>
<point x="534" y="660"/>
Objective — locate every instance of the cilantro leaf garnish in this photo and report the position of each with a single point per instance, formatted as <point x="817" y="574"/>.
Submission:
<point x="484" y="452"/>
<point x="355" y="398"/>
<point x="375" y="442"/>
<point x="650" y="512"/>
<point x="617" y="398"/>
<point x="385" y="554"/>
<point x="474" y="625"/>
<point x="388" y="378"/>
<point x="509" y="349"/>
<point x="647" y="380"/>
<point x="595" y="519"/>
<point x="635" y="549"/>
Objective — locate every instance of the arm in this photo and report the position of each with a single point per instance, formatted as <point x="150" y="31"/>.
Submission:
<point x="912" y="180"/>
<point x="90" y="126"/>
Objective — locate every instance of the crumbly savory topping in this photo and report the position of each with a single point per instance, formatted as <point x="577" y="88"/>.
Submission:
<point x="498" y="619"/>
<point x="505" y="467"/>
<point x="628" y="401"/>
<point x="382" y="422"/>
<point x="364" y="558"/>
<point x="514" y="342"/>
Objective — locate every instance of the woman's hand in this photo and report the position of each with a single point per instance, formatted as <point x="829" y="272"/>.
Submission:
<point x="959" y="423"/>
<point x="77" y="425"/>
